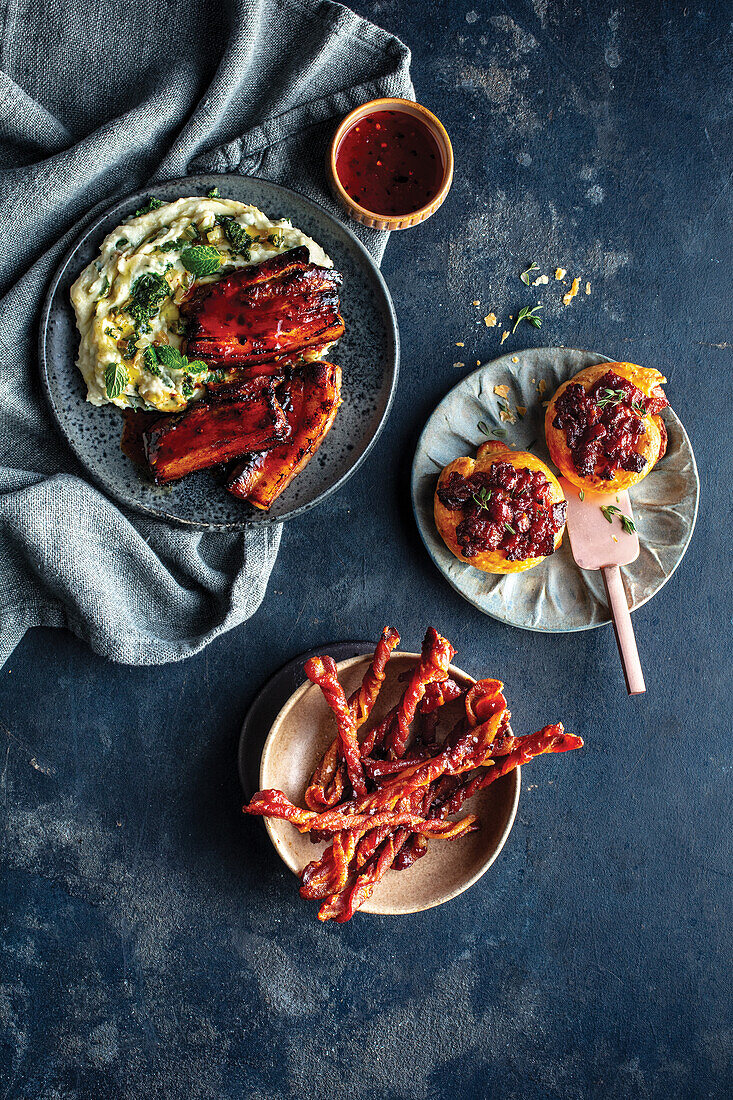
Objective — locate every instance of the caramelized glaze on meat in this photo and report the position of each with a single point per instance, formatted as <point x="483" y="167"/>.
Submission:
<point x="264" y="311"/>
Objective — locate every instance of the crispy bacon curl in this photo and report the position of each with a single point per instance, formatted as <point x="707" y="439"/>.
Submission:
<point x="379" y="800"/>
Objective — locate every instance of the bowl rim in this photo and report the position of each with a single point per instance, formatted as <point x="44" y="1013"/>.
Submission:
<point x="433" y="123"/>
<point x="373" y="906"/>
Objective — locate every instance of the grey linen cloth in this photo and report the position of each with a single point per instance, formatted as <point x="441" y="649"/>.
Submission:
<point x="95" y="101"/>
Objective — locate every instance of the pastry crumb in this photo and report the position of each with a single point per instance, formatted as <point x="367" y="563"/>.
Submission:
<point x="507" y="415"/>
<point x="460" y="344"/>
<point x="560" y="273"/>
<point x="503" y="337"/>
<point x="477" y="303"/>
<point x="490" y="320"/>
<point x="521" y="410"/>
<point x="568" y="297"/>
<point x="587" y="288"/>
<point x="541" y="280"/>
<point x="501" y="391"/>
<point x="515" y="359"/>
<point x="459" y="364"/>
<point x="541" y="386"/>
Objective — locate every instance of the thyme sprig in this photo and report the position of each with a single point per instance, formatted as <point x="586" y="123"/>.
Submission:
<point x="528" y="314"/>
<point x="610" y="510"/>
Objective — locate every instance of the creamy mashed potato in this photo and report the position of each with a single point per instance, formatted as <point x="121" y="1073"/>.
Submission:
<point x="128" y="298"/>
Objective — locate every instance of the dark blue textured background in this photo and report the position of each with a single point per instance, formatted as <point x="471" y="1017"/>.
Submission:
<point x="152" y="943"/>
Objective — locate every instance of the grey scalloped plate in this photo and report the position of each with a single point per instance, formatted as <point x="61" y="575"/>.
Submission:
<point x="368" y="354"/>
<point x="555" y="596"/>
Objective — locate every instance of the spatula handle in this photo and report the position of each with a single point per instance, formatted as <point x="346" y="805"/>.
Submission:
<point x="624" y="630"/>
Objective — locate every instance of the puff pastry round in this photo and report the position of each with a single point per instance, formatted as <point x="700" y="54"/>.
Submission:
<point x="603" y="428"/>
<point x="492" y="510"/>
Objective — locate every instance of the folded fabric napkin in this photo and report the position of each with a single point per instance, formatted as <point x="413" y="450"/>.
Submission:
<point x="94" y="105"/>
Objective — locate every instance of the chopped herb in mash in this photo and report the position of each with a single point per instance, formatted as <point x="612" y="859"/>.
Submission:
<point x="236" y="234"/>
<point x="151" y="204"/>
<point x="173" y="246"/>
<point x="146" y="297"/>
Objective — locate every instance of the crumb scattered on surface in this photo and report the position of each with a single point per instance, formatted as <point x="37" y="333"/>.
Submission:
<point x="501" y="391"/>
<point x="515" y="359"/>
<point x="478" y="362"/>
<point x="476" y="302"/>
<point x="503" y="337"/>
<point x="522" y="410"/>
<point x="490" y="320"/>
<point x="587" y="288"/>
<point x="459" y="364"/>
<point x="541" y="386"/>
<point x="541" y="280"/>
<point x="568" y="297"/>
<point x="507" y="415"/>
<point x="560" y="273"/>
<point x="460" y="344"/>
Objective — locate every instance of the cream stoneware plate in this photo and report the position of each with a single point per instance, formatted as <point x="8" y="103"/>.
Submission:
<point x="301" y="733"/>
<point x="556" y="595"/>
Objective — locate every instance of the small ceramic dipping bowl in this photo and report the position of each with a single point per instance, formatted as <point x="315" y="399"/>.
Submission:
<point x="390" y="164"/>
<point x="299" y="736"/>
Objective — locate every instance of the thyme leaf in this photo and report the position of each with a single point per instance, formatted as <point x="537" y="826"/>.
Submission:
<point x="528" y="314"/>
<point x="610" y="510"/>
<point x="526" y="273"/>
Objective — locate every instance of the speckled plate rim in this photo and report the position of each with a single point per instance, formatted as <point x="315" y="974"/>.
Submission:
<point x="99" y="214"/>
<point x="431" y="538"/>
<point x="373" y="906"/>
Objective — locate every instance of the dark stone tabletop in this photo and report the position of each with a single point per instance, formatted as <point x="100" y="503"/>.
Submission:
<point x="154" y="946"/>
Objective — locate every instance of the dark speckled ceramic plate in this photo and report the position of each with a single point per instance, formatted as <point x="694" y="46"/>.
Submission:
<point x="368" y="354"/>
<point x="556" y="595"/>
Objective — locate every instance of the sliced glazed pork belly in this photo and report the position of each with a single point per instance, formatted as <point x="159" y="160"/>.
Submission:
<point x="263" y="312"/>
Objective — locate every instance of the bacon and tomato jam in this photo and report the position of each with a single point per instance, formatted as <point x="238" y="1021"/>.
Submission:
<point x="605" y="424"/>
<point x="504" y="508"/>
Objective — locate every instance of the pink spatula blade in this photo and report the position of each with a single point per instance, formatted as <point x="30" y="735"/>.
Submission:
<point x="598" y="541"/>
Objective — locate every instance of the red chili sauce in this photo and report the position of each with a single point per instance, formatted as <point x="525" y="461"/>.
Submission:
<point x="506" y="509"/>
<point x="390" y="163"/>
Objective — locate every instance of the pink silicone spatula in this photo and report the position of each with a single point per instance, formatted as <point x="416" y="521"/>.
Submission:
<point x="598" y="544"/>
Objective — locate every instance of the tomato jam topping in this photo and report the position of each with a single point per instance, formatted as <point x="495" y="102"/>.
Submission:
<point x="604" y="425"/>
<point x="390" y="163"/>
<point x="504" y="509"/>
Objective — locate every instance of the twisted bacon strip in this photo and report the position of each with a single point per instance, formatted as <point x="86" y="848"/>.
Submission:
<point x="435" y="659"/>
<point x="326" y="786"/>
<point x="341" y="905"/>
<point x="437" y="694"/>
<point x="276" y="804"/>
<point x="549" y="739"/>
<point x="323" y="672"/>
<point x="362" y="701"/>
